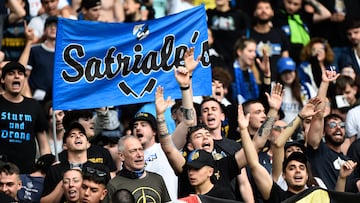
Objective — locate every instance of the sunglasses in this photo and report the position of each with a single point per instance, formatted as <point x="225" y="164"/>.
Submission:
<point x="95" y="171"/>
<point x="333" y="124"/>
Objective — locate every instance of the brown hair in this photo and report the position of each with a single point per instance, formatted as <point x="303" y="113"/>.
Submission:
<point x="222" y="75"/>
<point x="306" y="52"/>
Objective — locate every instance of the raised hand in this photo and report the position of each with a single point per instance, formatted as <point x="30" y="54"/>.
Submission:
<point x="190" y="62"/>
<point x="243" y="120"/>
<point x="347" y="168"/>
<point x="275" y="99"/>
<point x="329" y="76"/>
<point x="309" y="109"/>
<point x="29" y="33"/>
<point x="182" y="76"/>
<point x="264" y="64"/>
<point x="160" y="103"/>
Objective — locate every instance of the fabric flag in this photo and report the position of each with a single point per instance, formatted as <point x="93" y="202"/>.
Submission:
<point x="101" y="64"/>
<point x="316" y="194"/>
<point x="204" y="199"/>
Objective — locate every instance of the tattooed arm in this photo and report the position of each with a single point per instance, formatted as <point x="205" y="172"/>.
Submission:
<point x="264" y="131"/>
<point x="183" y="76"/>
<point x="176" y="160"/>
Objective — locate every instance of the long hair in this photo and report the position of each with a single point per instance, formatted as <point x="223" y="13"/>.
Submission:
<point x="306" y="52"/>
<point x="311" y="182"/>
<point x="295" y="87"/>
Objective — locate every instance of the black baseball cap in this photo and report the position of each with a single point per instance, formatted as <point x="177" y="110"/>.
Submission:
<point x="74" y="125"/>
<point x="200" y="158"/>
<point x="297" y="156"/>
<point x="144" y="116"/>
<point x="295" y="143"/>
<point x="12" y="65"/>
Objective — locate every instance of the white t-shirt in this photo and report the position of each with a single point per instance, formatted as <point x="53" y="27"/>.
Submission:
<point x="290" y="106"/>
<point x="176" y="6"/>
<point x="156" y="161"/>
<point x="352" y="127"/>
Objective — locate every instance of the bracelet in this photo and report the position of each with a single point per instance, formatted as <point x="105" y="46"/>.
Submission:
<point x="184" y="88"/>
<point x="300" y="117"/>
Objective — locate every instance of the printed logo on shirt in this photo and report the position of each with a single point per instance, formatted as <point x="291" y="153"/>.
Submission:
<point x="16" y="127"/>
<point x="223" y="23"/>
<point x="29" y="189"/>
<point x="146" y="194"/>
<point x="97" y="160"/>
<point x="270" y="48"/>
<point x="151" y="158"/>
<point x="337" y="163"/>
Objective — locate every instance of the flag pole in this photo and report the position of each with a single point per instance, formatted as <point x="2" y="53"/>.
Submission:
<point x="54" y="135"/>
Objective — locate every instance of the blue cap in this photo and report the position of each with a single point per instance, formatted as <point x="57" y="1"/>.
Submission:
<point x="285" y="64"/>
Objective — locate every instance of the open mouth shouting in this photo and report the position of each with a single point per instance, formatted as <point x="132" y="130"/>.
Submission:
<point x="73" y="194"/>
<point x="206" y="146"/>
<point x="211" y="121"/>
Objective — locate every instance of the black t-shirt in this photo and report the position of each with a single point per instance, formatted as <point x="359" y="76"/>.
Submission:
<point x="226" y="170"/>
<point x="227" y="27"/>
<point x="95" y="154"/>
<point x="220" y="192"/>
<point x="19" y="125"/>
<point x="226" y="147"/>
<point x="354" y="154"/>
<point x="275" y="41"/>
<point x="326" y="164"/>
<point x="277" y="194"/>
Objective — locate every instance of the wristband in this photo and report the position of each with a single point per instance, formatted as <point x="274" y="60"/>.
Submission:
<point x="184" y="88"/>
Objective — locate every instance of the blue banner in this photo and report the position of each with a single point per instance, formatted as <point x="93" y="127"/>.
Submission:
<point x="108" y="64"/>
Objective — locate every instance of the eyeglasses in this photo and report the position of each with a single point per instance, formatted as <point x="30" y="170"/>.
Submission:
<point x="278" y="128"/>
<point x="95" y="171"/>
<point x="333" y="124"/>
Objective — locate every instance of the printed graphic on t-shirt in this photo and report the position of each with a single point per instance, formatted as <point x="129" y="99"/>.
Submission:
<point x="146" y="194"/>
<point x="223" y="23"/>
<point x="17" y="122"/>
<point x="150" y="158"/>
<point x="337" y="163"/>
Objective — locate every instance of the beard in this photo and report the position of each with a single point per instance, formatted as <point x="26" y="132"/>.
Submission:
<point x="262" y="21"/>
<point x="333" y="142"/>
